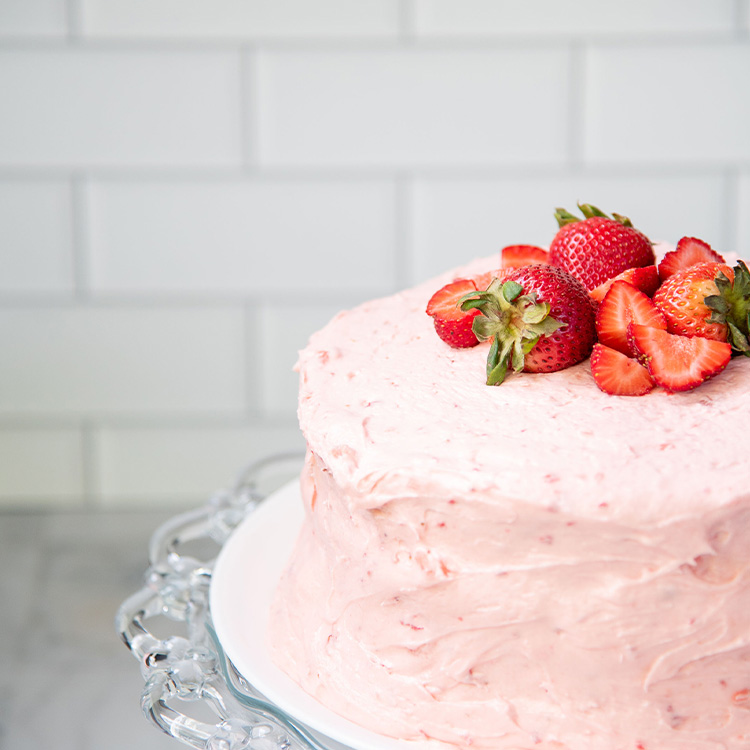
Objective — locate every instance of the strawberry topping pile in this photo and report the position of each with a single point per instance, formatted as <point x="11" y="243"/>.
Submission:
<point x="598" y="292"/>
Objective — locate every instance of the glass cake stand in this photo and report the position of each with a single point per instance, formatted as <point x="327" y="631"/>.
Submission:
<point x="192" y="690"/>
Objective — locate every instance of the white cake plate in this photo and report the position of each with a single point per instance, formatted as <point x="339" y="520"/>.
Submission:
<point x="244" y="581"/>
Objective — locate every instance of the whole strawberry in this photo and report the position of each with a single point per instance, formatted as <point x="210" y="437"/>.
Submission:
<point x="540" y="319"/>
<point x="597" y="247"/>
<point x="682" y="300"/>
<point x="710" y="300"/>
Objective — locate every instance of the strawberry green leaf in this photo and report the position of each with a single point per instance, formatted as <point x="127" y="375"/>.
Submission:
<point x="718" y="304"/>
<point x="536" y="313"/>
<point x="622" y="219"/>
<point x="514" y="321"/>
<point x="564" y="217"/>
<point x="483" y="327"/>
<point x="732" y="306"/>
<point x="738" y="340"/>
<point x="497" y="374"/>
<point x="590" y="211"/>
<point x="511" y="290"/>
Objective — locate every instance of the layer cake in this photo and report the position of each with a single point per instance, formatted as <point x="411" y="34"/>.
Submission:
<point x="535" y="565"/>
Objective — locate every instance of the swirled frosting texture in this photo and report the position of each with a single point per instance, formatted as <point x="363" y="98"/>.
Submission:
<point x="537" y="565"/>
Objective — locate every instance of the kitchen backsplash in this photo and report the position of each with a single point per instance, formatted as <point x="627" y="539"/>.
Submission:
<point x="189" y="188"/>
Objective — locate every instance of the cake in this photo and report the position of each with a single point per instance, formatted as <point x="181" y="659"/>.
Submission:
<point x="535" y="565"/>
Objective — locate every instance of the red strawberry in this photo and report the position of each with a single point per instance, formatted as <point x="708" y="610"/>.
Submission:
<point x="688" y="252"/>
<point x="515" y="256"/>
<point x="682" y="300"/>
<point x="645" y="278"/>
<point x="540" y="319"/>
<point x="622" y="305"/>
<point x="452" y="324"/>
<point x="598" y="247"/>
<point x="679" y="363"/>
<point x="617" y="374"/>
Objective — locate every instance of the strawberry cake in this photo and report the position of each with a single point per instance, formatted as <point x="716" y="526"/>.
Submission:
<point x="534" y="565"/>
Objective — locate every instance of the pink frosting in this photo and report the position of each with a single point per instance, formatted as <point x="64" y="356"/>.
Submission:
<point x="536" y="565"/>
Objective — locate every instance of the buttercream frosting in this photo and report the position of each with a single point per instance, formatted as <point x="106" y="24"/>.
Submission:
<point x="534" y="565"/>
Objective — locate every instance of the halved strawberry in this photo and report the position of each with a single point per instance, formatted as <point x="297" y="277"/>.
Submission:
<point x="679" y="363"/>
<point x="515" y="256"/>
<point x="617" y="374"/>
<point x="453" y="324"/>
<point x="622" y="305"/>
<point x="645" y="278"/>
<point x="689" y="251"/>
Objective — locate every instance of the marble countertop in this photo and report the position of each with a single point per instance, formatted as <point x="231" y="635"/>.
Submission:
<point x="66" y="679"/>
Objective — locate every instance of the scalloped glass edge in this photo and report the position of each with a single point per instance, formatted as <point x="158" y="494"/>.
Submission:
<point x="179" y="670"/>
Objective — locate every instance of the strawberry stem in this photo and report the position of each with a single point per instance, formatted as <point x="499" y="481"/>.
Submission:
<point x="590" y="211"/>
<point x="564" y="217"/>
<point x="732" y="306"/>
<point x="514" y="321"/>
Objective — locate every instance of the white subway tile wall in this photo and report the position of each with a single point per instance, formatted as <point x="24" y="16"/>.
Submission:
<point x="46" y="18"/>
<point x="578" y="17"/>
<point x="457" y="218"/>
<point x="123" y="360"/>
<point x="187" y="191"/>
<point x="232" y="19"/>
<point x="234" y="236"/>
<point x="41" y="463"/>
<point x="80" y="108"/>
<point x="395" y="108"/>
<point x="36" y="242"/>
<point x="180" y="465"/>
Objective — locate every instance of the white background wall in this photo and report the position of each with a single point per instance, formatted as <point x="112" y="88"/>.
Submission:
<point x="188" y="189"/>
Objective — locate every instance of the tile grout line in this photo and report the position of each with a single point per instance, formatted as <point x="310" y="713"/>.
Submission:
<point x="80" y="238"/>
<point x="731" y="207"/>
<point x="252" y="341"/>
<point x="404" y="261"/>
<point x="407" y="22"/>
<point x="74" y="20"/>
<point x="89" y="468"/>
<point x="577" y="69"/>
<point x="405" y="37"/>
<point x="249" y="111"/>
<point x="157" y="421"/>
<point x="741" y="19"/>
<point x="366" y="172"/>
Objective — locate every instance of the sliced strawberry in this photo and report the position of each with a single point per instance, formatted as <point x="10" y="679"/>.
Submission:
<point x="617" y="374"/>
<point x="515" y="256"/>
<point x="679" y="363"/>
<point x="622" y="305"/>
<point x="646" y="279"/>
<point x="689" y="251"/>
<point x="452" y="324"/>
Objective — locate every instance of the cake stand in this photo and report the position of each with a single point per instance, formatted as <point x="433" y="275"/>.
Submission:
<point x="192" y="690"/>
